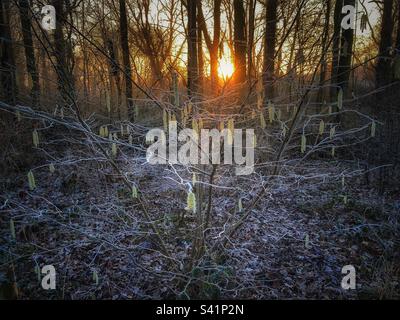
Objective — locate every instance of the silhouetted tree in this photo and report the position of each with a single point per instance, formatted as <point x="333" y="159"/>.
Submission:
<point x="192" y="48"/>
<point x="269" y="48"/>
<point x="383" y="67"/>
<point x="125" y="59"/>
<point x="23" y="6"/>
<point x="239" y="41"/>
<point x="7" y="63"/>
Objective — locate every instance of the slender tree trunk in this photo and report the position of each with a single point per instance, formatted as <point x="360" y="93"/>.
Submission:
<point x="212" y="45"/>
<point x="7" y="62"/>
<point x="324" y="48"/>
<point x="336" y="47"/>
<point x="346" y="53"/>
<point x="193" y="71"/>
<point x="250" y="41"/>
<point x="29" y="50"/>
<point x="383" y="68"/>
<point x="215" y="45"/>
<point x="65" y="80"/>
<point x="239" y="41"/>
<point x="200" y="54"/>
<point x="269" y="49"/>
<point x="126" y="60"/>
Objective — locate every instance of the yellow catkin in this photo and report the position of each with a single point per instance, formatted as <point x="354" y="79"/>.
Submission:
<point x="114" y="149"/>
<point x="95" y="277"/>
<point x="271" y="112"/>
<point x="307" y="242"/>
<point x="240" y="205"/>
<point x="195" y="126"/>
<point x="340" y="99"/>
<point x="105" y="132"/>
<point x="165" y="120"/>
<point x="373" y="129"/>
<point x="134" y="192"/>
<point x="303" y="143"/>
<point x="12" y="229"/>
<point x="321" y="127"/>
<point x="31" y="181"/>
<point x="191" y="202"/>
<point x="221" y="126"/>
<point x="35" y="138"/>
<point x="101" y="132"/>
<point x="194" y="179"/>
<point x="262" y="121"/>
<point x="332" y="132"/>
<point x="108" y="101"/>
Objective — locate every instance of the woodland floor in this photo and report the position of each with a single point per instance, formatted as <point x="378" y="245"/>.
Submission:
<point x="81" y="221"/>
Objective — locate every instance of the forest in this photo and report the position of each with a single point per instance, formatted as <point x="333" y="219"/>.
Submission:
<point x="184" y="149"/>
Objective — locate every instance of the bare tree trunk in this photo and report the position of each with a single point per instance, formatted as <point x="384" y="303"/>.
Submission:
<point x="250" y="41"/>
<point x="126" y="60"/>
<point x="213" y="46"/>
<point x="200" y="55"/>
<point x="239" y="41"/>
<point x="346" y="53"/>
<point x="7" y="63"/>
<point x="336" y="47"/>
<point x="193" y="71"/>
<point x="324" y="48"/>
<point x="383" y="68"/>
<point x="65" y="80"/>
<point x="269" y="49"/>
<point x="29" y="50"/>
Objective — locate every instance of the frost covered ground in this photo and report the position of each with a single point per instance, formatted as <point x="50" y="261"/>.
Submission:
<point x="293" y="245"/>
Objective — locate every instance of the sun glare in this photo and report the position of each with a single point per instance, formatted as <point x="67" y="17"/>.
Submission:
<point x="225" y="68"/>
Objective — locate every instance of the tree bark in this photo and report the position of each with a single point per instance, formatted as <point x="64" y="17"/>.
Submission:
<point x="7" y="62"/>
<point x="250" y="41"/>
<point x="324" y="48"/>
<point x="239" y="35"/>
<point x="193" y="71"/>
<point x="126" y="60"/>
<point x="29" y="50"/>
<point x="336" y="47"/>
<point x="269" y="48"/>
<point x="212" y="45"/>
<point x="65" y="79"/>
<point x="346" y="53"/>
<point x="383" y="67"/>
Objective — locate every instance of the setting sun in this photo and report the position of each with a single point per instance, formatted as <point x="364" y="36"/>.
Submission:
<point x="225" y="68"/>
